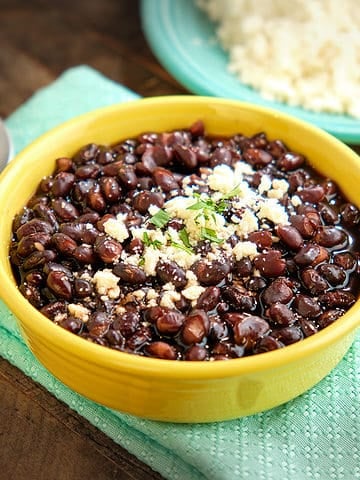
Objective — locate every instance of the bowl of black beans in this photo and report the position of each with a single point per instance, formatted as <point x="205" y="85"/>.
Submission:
<point x="165" y="253"/>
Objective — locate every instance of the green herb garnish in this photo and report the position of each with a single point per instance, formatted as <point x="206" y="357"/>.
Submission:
<point x="181" y="246"/>
<point x="151" y="243"/>
<point x="160" y="219"/>
<point x="207" y="205"/>
<point x="233" y="193"/>
<point x="184" y="237"/>
<point x="209" y="234"/>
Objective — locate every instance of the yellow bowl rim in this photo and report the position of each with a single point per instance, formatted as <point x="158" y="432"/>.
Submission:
<point x="135" y="364"/>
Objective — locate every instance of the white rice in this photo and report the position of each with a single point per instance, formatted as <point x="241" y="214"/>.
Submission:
<point x="302" y="52"/>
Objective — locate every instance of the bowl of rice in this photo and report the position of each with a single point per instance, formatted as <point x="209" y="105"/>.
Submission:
<point x="303" y="59"/>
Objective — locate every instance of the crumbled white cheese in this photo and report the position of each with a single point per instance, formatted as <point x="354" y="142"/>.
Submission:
<point x="106" y="283"/>
<point x="248" y="223"/>
<point x="79" y="311"/>
<point x="222" y="179"/>
<point x="191" y="279"/>
<point x="169" y="298"/>
<point x="138" y="294"/>
<point x="242" y="168"/>
<point x="193" y="292"/>
<point x="280" y="184"/>
<point x="153" y="209"/>
<point x="151" y="257"/>
<point x="151" y="294"/>
<point x="130" y="259"/>
<point x="265" y="184"/>
<point x="116" y="228"/>
<point x="296" y="200"/>
<point x="183" y="258"/>
<point x="273" y="211"/>
<point x="245" y="249"/>
<point x="120" y="309"/>
<point x="279" y="188"/>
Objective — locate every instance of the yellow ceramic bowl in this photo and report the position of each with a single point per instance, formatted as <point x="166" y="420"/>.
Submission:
<point x="163" y="389"/>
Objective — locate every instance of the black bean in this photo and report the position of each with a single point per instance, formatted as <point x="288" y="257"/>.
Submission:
<point x="129" y="273"/>
<point x="169" y="322"/>
<point x="250" y="330"/>
<point x="171" y="272"/>
<point x="211" y="273"/>
<point x="239" y="299"/>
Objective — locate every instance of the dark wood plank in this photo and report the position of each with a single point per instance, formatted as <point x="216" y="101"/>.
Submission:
<point x="105" y="35"/>
<point x="41" y="431"/>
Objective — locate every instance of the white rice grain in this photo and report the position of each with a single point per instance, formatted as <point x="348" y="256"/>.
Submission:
<point x="303" y="53"/>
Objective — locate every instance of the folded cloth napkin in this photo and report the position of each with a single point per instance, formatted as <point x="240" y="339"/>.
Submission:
<point x="315" y="436"/>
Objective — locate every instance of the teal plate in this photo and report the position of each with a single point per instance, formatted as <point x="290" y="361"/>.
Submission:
<point x="184" y="41"/>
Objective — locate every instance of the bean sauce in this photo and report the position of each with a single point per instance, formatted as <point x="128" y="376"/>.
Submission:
<point x="183" y="246"/>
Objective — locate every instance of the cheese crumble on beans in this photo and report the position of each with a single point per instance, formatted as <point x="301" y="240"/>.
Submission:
<point x="182" y="246"/>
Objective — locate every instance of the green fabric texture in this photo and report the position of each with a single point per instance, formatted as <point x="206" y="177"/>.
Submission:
<point x="315" y="436"/>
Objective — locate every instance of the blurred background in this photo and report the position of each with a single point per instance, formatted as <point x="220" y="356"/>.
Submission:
<point x="40" y="39"/>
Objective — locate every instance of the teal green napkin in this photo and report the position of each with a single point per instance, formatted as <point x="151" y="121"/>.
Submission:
<point x="315" y="436"/>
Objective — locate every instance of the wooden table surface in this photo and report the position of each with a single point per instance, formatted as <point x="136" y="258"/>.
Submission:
<point x="38" y="41"/>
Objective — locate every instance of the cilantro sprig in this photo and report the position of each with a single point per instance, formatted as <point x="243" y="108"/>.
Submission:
<point x="207" y="205"/>
<point x="151" y="243"/>
<point x="160" y="219"/>
<point x="185" y="244"/>
<point x="210" y="234"/>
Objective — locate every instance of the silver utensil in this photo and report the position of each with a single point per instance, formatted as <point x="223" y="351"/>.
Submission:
<point x="6" y="149"/>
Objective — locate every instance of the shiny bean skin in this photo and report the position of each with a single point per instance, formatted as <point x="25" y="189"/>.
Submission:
<point x="270" y="264"/>
<point x="65" y="210"/>
<point x="164" y="179"/>
<point x="249" y="331"/>
<point x="311" y="254"/>
<point x="209" y="298"/>
<point x="110" y="189"/>
<point x="306" y="306"/>
<point x="330" y="237"/>
<point x="33" y="242"/>
<point x="60" y="284"/>
<point x="130" y="273"/>
<point x="196" y="353"/>
<point x="62" y="184"/>
<point x="278" y="291"/>
<point x="211" y="273"/>
<point x="257" y="157"/>
<point x="171" y="272"/>
<point x="108" y="249"/>
<point x="195" y="328"/>
<point x="290" y="161"/>
<point x="35" y="225"/>
<point x="63" y="243"/>
<point x="161" y="350"/>
<point x="290" y="236"/>
<point x="281" y="314"/>
<point x="239" y="299"/>
<point x="169" y="321"/>
<point x="314" y="281"/>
